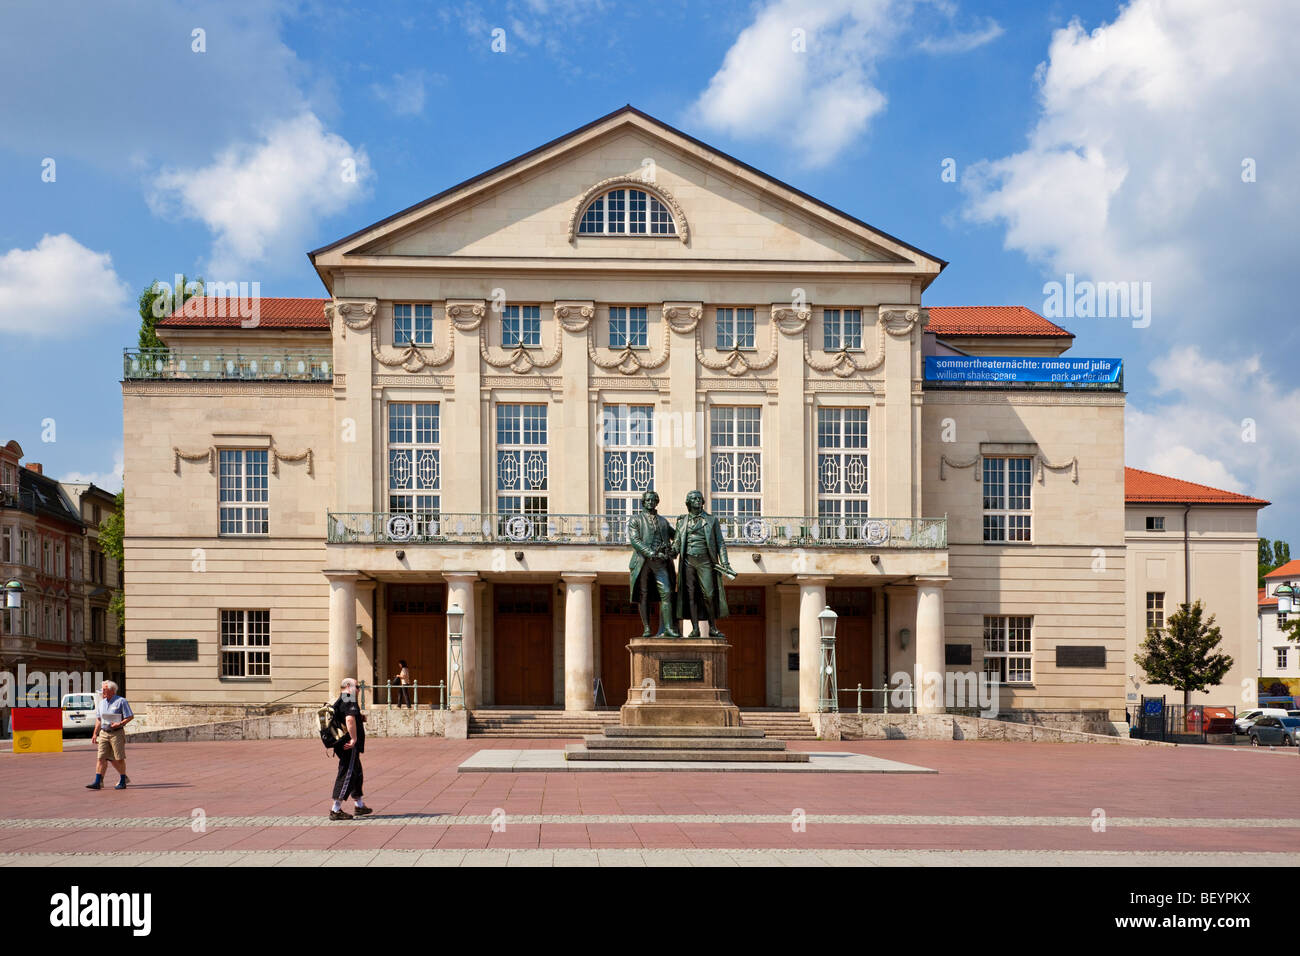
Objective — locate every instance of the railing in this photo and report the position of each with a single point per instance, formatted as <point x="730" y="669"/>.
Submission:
<point x="401" y="695"/>
<point x="510" y="529"/>
<point x="884" y="691"/>
<point x="289" y="365"/>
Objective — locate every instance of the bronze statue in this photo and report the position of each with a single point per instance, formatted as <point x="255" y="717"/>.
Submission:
<point x="703" y="564"/>
<point x="651" y="567"/>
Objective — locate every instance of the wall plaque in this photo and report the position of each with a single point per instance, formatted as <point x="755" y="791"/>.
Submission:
<point x="1080" y="656"/>
<point x="172" y="650"/>
<point x="956" y="654"/>
<point x="681" y="670"/>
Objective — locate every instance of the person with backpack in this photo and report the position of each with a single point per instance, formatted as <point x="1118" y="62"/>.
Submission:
<point x="349" y="734"/>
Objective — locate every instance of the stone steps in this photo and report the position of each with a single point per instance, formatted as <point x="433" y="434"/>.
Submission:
<point x="677" y="743"/>
<point x="784" y="726"/>
<point x="537" y="723"/>
<point x="682" y="732"/>
<point x="580" y="752"/>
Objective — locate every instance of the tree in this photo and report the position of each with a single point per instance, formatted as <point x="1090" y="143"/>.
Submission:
<point x="1281" y="554"/>
<point x="111" y="533"/>
<point x="158" y="301"/>
<point x="1271" y="557"/>
<point x="1182" y="655"/>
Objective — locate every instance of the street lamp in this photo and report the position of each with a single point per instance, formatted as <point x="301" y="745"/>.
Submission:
<point x="455" y="658"/>
<point x="829" y="697"/>
<point x="1286" y="601"/>
<point x="13" y="600"/>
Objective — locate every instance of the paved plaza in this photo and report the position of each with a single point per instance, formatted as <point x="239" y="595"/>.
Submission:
<point x="263" y="803"/>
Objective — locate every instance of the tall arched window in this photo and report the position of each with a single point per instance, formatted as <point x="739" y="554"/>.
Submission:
<point x="624" y="212"/>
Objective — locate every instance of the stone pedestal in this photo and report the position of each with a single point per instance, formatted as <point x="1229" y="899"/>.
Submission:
<point x="679" y="683"/>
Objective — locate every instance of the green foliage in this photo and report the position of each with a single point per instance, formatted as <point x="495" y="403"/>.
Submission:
<point x="1281" y="553"/>
<point x="111" y="532"/>
<point x="1265" y="552"/>
<point x="157" y="303"/>
<point x="1271" y="557"/>
<point x="1182" y="656"/>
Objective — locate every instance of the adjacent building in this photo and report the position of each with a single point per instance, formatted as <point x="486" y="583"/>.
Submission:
<point x="497" y="374"/>
<point x="1278" y="658"/>
<point x="103" y="646"/>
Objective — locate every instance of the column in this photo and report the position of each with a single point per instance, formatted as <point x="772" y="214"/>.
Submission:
<point x="579" y="649"/>
<point x="343" y="627"/>
<point x="929" y="645"/>
<point x="812" y="601"/>
<point x="460" y="590"/>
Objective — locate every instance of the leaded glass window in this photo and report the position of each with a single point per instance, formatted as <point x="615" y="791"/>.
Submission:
<point x="522" y="467"/>
<point x="414" y="461"/>
<point x="736" y="461"/>
<point x="628" y="458"/>
<point x="842" y="466"/>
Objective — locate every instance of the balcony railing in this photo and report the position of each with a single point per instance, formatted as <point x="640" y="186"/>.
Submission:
<point x="287" y="365"/>
<point x="509" y="529"/>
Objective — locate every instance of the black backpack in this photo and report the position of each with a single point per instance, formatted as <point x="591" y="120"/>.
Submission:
<point x="333" y="733"/>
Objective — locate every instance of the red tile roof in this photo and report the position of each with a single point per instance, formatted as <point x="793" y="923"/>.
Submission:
<point x="990" y="320"/>
<point x="210" y="312"/>
<point x="1266" y="601"/>
<point x="1145" y="486"/>
<point x="1289" y="570"/>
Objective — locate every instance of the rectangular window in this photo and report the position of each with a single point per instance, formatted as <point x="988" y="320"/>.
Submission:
<point x="521" y="325"/>
<point x="1007" y="486"/>
<point x="628" y="460"/>
<point x="243" y="491"/>
<point x="735" y="329"/>
<point x="59" y="620"/>
<point x="522" y="466"/>
<point x="1281" y="658"/>
<point x="1155" y="610"/>
<point x="841" y="329"/>
<point x="60" y="570"/>
<point x="9" y="481"/>
<point x="842" y="467"/>
<point x="47" y="564"/>
<point x="1008" y="649"/>
<point x="28" y="548"/>
<point x="736" y="462"/>
<point x="414" y="463"/>
<point x="1155" y="522"/>
<point x="6" y="546"/>
<point x="628" y="327"/>
<point x="412" y="323"/>
<point x="245" y="644"/>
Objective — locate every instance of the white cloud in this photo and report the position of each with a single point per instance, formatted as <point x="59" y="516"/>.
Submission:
<point x="404" y="93"/>
<point x="261" y="200"/>
<point x="110" y="480"/>
<point x="803" y="72"/>
<point x="1133" y="170"/>
<point x="1224" y="423"/>
<point x="59" y="288"/>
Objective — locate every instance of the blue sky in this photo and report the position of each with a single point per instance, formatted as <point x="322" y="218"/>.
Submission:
<point x="1141" y="142"/>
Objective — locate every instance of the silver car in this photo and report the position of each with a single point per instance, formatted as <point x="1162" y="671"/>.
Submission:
<point x="1271" y="731"/>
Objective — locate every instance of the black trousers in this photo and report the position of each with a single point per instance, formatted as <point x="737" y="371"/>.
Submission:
<point x="348" y="781"/>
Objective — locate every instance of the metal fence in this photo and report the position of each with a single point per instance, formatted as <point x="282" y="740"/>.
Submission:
<point x="857" y="694"/>
<point x="402" y="695"/>
<point x="1157" y="719"/>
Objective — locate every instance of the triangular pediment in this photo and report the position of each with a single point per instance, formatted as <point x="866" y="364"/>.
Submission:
<point x="724" y="209"/>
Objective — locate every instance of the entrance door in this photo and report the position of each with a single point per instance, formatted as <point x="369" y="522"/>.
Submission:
<point x="746" y="631"/>
<point x="620" y="622"/>
<point x="417" y="634"/>
<point x="853" y="643"/>
<point x="523" y="662"/>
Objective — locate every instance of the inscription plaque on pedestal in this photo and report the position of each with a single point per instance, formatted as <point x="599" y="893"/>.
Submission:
<point x="681" y="670"/>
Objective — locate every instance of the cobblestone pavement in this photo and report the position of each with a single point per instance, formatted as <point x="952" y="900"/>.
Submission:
<point x="263" y="803"/>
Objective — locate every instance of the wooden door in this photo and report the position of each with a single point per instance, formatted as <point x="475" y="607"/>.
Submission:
<point x="523" y="663"/>
<point x="417" y="634"/>
<point x="853" y="644"/>
<point x="620" y="622"/>
<point x="746" y="630"/>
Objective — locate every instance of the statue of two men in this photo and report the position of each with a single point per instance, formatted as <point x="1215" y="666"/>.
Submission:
<point x="693" y="590"/>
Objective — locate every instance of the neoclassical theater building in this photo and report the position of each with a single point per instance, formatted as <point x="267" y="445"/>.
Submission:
<point x="501" y="370"/>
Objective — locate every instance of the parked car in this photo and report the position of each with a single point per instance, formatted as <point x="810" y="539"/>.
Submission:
<point x="78" y="713"/>
<point x="1248" y="717"/>
<point x="1270" y="730"/>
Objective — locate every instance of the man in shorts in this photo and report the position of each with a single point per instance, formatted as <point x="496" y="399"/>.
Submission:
<point x="112" y="714"/>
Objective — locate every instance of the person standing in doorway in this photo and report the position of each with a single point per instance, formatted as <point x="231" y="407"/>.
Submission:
<point x="349" y="779"/>
<point x="404" y="680"/>
<point x="112" y="714"/>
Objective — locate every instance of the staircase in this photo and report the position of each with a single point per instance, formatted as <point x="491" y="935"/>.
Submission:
<point x="779" y="725"/>
<point x="539" y="723"/>
<point x="661" y="745"/>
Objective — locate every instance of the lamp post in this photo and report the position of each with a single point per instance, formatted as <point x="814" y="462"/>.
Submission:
<point x="13" y="600"/>
<point x="829" y="698"/>
<point x="1286" y="602"/>
<point x="455" y="658"/>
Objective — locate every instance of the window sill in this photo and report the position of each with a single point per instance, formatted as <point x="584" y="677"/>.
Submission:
<point x="244" y="680"/>
<point x="418" y="345"/>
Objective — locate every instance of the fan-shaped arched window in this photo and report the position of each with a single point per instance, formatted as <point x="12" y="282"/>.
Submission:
<point x="626" y="212"/>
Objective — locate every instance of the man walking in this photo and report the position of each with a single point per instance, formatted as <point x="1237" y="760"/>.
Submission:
<point x="112" y="714"/>
<point x="348" y="781"/>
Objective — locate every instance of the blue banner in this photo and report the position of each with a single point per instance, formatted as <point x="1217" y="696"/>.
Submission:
<point x="986" y="368"/>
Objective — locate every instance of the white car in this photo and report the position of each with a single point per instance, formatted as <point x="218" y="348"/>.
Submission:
<point x="78" y="713"/>
<point x="1248" y="717"/>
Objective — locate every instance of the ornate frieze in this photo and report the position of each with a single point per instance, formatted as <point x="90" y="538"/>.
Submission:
<point x="357" y="315"/>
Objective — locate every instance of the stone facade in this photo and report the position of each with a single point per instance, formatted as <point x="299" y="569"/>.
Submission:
<point x="358" y="564"/>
